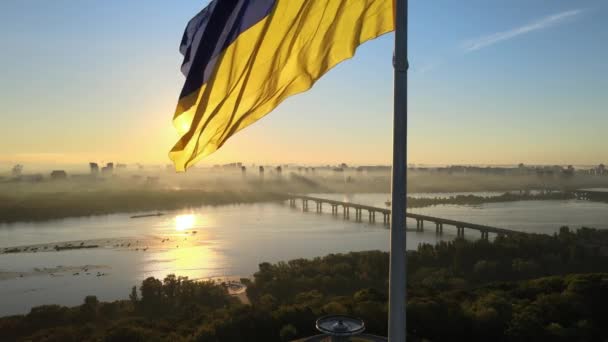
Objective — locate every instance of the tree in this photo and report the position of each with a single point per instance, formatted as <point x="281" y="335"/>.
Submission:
<point x="133" y="297"/>
<point x="130" y="334"/>
<point x="151" y="294"/>
<point x="335" y="308"/>
<point x="268" y="302"/>
<point x="288" y="332"/>
<point x="89" y="308"/>
<point x="171" y="285"/>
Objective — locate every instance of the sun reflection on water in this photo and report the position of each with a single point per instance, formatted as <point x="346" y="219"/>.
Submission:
<point x="184" y="222"/>
<point x="187" y="250"/>
<point x="195" y="262"/>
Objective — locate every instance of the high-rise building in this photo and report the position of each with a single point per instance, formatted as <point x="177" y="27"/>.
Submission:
<point x="108" y="169"/>
<point x="59" y="174"/>
<point x="94" y="168"/>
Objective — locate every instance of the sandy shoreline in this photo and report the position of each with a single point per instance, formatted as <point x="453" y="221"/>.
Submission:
<point x="142" y="244"/>
<point x="59" y="271"/>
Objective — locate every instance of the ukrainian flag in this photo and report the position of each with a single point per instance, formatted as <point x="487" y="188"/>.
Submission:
<point x="242" y="58"/>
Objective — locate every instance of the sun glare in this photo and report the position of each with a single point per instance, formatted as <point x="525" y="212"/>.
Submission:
<point x="184" y="222"/>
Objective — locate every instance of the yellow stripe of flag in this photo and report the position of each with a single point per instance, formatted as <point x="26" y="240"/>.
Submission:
<point x="283" y="54"/>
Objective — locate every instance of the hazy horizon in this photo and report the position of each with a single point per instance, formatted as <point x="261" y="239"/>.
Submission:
<point x="83" y="167"/>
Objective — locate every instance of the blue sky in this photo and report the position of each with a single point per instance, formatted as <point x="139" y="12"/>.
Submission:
<point x="491" y="82"/>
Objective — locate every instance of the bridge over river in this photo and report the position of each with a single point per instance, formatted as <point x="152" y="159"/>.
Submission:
<point x="358" y="210"/>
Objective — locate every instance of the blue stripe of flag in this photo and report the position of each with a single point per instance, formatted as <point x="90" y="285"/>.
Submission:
<point x="211" y="31"/>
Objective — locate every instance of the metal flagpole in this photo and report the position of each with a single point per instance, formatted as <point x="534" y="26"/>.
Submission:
<point x="397" y="273"/>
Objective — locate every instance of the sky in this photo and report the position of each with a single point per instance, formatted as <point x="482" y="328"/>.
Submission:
<point x="490" y="82"/>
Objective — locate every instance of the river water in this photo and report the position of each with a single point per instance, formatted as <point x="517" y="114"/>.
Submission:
<point x="225" y="241"/>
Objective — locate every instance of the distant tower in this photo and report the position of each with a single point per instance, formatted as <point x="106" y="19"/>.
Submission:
<point x="94" y="168"/>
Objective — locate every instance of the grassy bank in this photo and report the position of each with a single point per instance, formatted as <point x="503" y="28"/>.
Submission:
<point x="477" y="200"/>
<point x="56" y="205"/>
<point x="39" y="206"/>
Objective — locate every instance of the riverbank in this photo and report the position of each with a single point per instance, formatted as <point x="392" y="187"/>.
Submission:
<point x="417" y="202"/>
<point x="514" y="288"/>
<point x="40" y="206"/>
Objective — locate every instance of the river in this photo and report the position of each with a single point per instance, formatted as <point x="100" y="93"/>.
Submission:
<point x="224" y="241"/>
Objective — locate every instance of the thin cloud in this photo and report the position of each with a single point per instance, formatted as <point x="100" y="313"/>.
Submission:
<point x="423" y="69"/>
<point x="540" y="24"/>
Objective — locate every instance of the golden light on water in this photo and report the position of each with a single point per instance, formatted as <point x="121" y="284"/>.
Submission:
<point x="195" y="262"/>
<point x="188" y="249"/>
<point x="184" y="222"/>
<point x="193" y="259"/>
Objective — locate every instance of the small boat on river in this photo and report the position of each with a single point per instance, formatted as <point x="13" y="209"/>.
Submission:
<point x="148" y="215"/>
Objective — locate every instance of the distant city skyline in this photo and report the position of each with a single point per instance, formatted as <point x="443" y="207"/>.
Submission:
<point x="491" y="83"/>
<point x="6" y="169"/>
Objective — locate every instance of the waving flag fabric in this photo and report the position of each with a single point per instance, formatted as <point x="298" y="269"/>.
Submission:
<point x="242" y="58"/>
